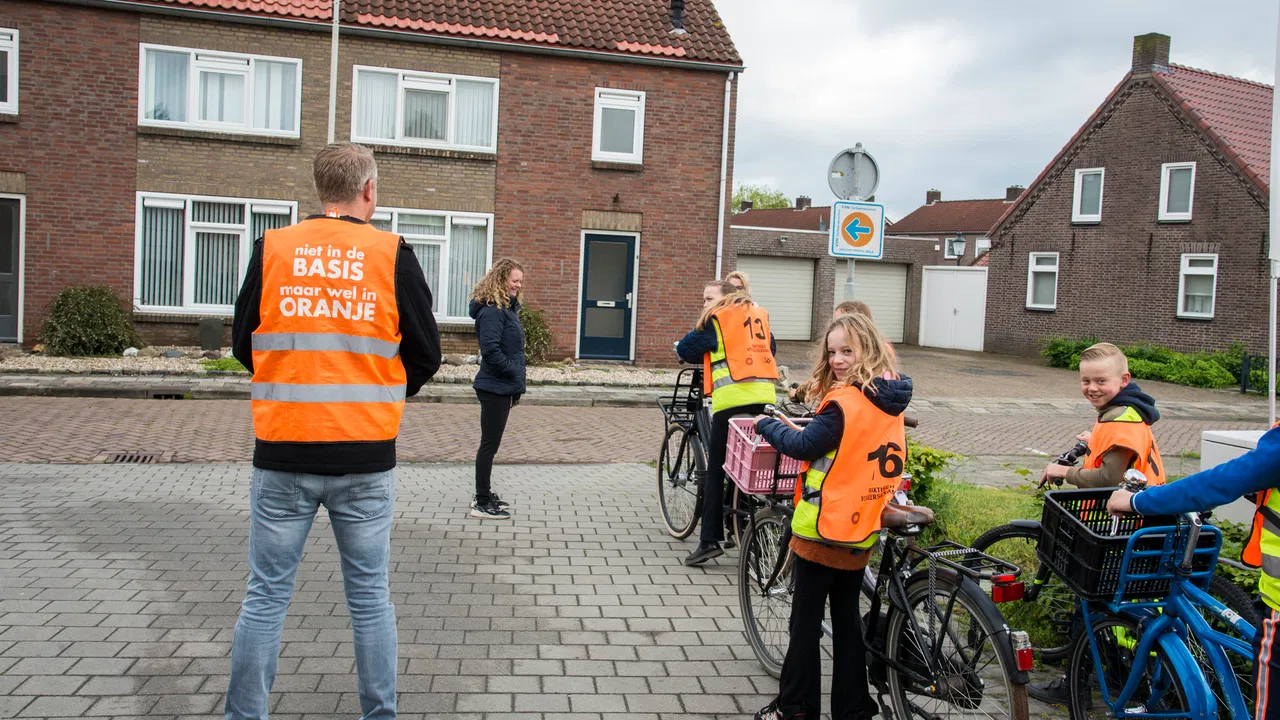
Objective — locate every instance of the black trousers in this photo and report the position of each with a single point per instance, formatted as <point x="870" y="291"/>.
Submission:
<point x="1266" y="661"/>
<point x="494" y="410"/>
<point x="714" y="497"/>
<point x="800" y="688"/>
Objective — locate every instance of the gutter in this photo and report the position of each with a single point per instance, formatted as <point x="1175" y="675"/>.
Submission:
<point x="724" y="174"/>
<point x="323" y="26"/>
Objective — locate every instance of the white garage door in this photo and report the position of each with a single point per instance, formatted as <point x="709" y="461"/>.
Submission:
<point x="953" y="307"/>
<point x="883" y="287"/>
<point x="784" y="286"/>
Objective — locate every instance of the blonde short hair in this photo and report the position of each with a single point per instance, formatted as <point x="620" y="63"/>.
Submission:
<point x="1106" y="351"/>
<point x="341" y="171"/>
<point x="853" y="307"/>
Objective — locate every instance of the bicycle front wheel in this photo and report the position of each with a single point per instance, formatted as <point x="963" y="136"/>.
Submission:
<point x="1096" y="682"/>
<point x="967" y="675"/>
<point x="766" y="611"/>
<point x="680" y="466"/>
<point x="1047" y="619"/>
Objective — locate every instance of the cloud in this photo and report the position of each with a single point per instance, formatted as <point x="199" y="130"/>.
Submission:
<point x="966" y="97"/>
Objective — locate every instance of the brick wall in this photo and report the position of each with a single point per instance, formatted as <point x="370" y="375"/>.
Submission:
<point x="1118" y="279"/>
<point x="73" y="140"/>
<point x="545" y="180"/>
<point x="913" y="253"/>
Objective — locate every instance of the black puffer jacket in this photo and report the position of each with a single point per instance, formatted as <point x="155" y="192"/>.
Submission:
<point x="501" y="348"/>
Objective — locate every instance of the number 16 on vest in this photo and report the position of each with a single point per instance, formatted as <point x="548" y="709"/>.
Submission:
<point x="857" y="230"/>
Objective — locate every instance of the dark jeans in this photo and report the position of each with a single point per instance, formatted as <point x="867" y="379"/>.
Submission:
<point x="1265" y="660"/>
<point x="494" y="410"/>
<point x="713" y="490"/>
<point x="800" y="688"/>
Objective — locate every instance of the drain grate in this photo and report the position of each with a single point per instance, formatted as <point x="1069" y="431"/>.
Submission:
<point x="134" y="458"/>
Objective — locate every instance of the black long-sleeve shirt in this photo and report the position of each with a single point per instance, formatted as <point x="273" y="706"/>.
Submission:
<point x="419" y="351"/>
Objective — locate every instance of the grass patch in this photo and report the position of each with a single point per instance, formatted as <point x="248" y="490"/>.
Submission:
<point x="966" y="511"/>
<point x="226" y="364"/>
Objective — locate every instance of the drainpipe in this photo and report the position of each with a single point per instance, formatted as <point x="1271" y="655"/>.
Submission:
<point x="724" y="173"/>
<point x="1273" y="240"/>
<point x="333" y="69"/>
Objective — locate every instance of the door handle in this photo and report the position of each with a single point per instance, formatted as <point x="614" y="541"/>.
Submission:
<point x="605" y="303"/>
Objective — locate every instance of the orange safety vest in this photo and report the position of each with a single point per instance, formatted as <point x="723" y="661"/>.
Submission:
<point x="326" y="356"/>
<point x="744" y="353"/>
<point x="1131" y="433"/>
<point x="840" y="496"/>
<point x="1265" y="516"/>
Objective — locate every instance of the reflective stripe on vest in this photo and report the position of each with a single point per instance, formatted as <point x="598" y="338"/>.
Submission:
<point x="1130" y="432"/>
<point x="841" y="495"/>
<point x="326" y="353"/>
<point x="754" y="384"/>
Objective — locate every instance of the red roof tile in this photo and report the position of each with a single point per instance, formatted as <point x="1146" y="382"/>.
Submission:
<point x="625" y="27"/>
<point x="1236" y="113"/>
<point x="812" y="218"/>
<point x="952" y="216"/>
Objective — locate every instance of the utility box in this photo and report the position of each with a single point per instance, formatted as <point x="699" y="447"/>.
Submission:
<point x="1219" y="446"/>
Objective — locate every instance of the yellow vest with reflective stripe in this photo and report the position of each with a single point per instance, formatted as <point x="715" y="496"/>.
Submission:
<point x="727" y="393"/>
<point x="1264" y="546"/>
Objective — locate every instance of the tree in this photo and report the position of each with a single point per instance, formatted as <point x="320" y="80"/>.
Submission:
<point x="761" y="197"/>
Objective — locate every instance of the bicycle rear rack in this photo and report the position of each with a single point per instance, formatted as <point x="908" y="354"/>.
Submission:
<point x="973" y="563"/>
<point x="682" y="405"/>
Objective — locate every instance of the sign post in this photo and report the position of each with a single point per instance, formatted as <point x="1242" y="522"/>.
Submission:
<point x="1274" y="249"/>
<point x="854" y="176"/>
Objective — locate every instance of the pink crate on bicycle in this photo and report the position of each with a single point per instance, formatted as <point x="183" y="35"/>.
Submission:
<point x="749" y="461"/>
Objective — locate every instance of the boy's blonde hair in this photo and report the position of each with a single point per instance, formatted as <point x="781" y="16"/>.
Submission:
<point x="874" y="358"/>
<point x="1106" y="351"/>
<point x="853" y="307"/>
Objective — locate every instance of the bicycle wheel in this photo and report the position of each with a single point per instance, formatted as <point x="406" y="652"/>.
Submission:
<point x="766" y="615"/>
<point x="970" y="677"/>
<point x="1049" y="618"/>
<point x="742" y="508"/>
<point x="1159" y="690"/>
<point x="680" y="464"/>
<point x="1239" y="602"/>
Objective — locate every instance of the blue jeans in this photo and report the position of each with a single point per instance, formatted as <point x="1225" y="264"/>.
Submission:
<point x="283" y="506"/>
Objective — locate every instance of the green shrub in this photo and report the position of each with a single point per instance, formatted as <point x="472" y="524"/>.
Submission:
<point x="1146" y="369"/>
<point x="537" y="335"/>
<point x="927" y="467"/>
<point x="1234" y="538"/>
<point x="226" y="364"/>
<point x="1151" y="362"/>
<point x="1065" y="353"/>
<point x="1198" y="371"/>
<point x="1231" y="359"/>
<point x="87" y="321"/>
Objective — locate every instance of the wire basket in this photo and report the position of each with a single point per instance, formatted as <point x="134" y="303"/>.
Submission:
<point x="1077" y="544"/>
<point x="750" y="461"/>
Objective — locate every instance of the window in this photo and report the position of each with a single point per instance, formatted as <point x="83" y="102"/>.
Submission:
<point x="192" y="251"/>
<point x="8" y="71"/>
<point x="948" y="249"/>
<point x="1086" y="206"/>
<point x="1042" y="281"/>
<point x="454" y="250"/>
<point x="1177" y="188"/>
<point x="1197" y="283"/>
<point x="618" y="134"/>
<point x="222" y="92"/>
<point x="400" y="107"/>
<point x="981" y="245"/>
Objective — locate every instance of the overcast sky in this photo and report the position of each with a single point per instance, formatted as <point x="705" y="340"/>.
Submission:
<point x="966" y="96"/>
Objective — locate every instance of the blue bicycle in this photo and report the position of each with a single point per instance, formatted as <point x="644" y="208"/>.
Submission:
<point x="1157" y="645"/>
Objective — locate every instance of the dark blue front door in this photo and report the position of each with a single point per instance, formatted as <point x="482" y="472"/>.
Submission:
<point x="608" y="267"/>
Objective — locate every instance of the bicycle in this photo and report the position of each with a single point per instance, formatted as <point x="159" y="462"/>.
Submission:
<point x="1047" y="609"/>
<point x="937" y="643"/>
<point x="1143" y="601"/>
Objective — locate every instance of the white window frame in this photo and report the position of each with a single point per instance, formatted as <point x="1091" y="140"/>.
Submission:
<point x="9" y="43"/>
<point x="209" y="60"/>
<point x="447" y="84"/>
<point x="440" y="292"/>
<point x="1076" y="198"/>
<point x="946" y="248"/>
<point x="190" y="228"/>
<point x="1031" y="272"/>
<point x="1185" y="269"/>
<point x="981" y="245"/>
<point x="1164" y="215"/>
<point x="621" y="100"/>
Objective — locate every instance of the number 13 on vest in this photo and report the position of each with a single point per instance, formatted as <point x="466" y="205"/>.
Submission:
<point x="857" y="230"/>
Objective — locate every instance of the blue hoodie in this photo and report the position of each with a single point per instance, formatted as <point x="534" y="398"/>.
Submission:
<point x="1255" y="471"/>
<point x="501" y="348"/>
<point x="824" y="432"/>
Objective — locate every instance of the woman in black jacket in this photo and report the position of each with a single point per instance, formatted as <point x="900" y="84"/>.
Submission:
<point x="495" y="304"/>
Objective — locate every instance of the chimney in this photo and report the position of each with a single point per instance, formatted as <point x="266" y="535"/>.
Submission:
<point x="932" y="197"/>
<point x="677" y="17"/>
<point x="745" y="205"/>
<point x="1150" y="54"/>
<point x="1012" y="192"/>
<point x="804" y="202"/>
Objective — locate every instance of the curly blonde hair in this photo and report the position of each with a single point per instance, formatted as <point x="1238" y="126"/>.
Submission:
<point x="492" y="288"/>
<point x="874" y="357"/>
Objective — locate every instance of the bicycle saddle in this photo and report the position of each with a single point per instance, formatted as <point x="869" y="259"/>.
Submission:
<point x="896" y="516"/>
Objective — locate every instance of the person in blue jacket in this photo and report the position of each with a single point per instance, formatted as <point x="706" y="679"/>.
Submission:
<point x="1255" y="472"/>
<point x="495" y="306"/>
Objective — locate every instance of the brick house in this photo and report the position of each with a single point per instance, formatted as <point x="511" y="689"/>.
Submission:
<point x="944" y="220"/>
<point x="594" y="145"/>
<point x="1150" y="225"/>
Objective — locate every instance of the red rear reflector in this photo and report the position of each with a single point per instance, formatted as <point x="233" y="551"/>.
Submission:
<point x="1003" y="579"/>
<point x="1025" y="661"/>
<point x="905" y="486"/>
<point x="1008" y="592"/>
<point x="1022" y="649"/>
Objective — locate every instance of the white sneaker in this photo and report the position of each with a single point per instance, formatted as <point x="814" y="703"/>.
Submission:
<point x="489" y="511"/>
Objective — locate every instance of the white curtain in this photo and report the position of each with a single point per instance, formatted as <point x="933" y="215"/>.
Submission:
<point x="162" y="230"/>
<point x="467" y="255"/>
<point x="4" y="76"/>
<point x="426" y="115"/>
<point x="222" y="97"/>
<point x="274" y="94"/>
<point x="376" y="105"/>
<point x="217" y="268"/>
<point x="429" y="225"/>
<point x="429" y="258"/>
<point x="166" y="86"/>
<point x="475" y="114"/>
<point x="216" y="212"/>
<point x="262" y="222"/>
<point x="1199" y="293"/>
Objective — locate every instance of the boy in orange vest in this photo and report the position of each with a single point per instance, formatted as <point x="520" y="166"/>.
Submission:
<point x="1121" y="439"/>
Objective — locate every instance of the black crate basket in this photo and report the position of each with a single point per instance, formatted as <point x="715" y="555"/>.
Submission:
<point x="1077" y="544"/>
